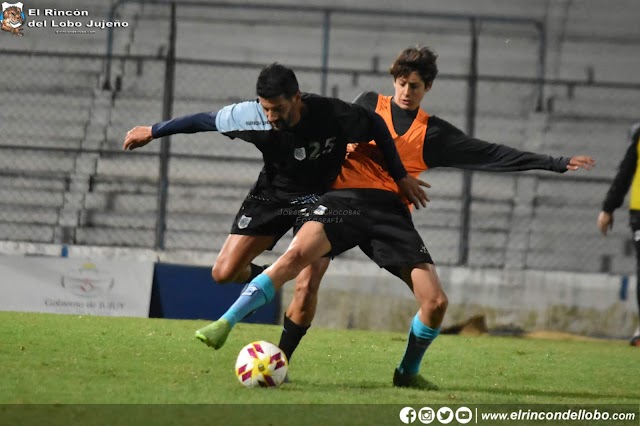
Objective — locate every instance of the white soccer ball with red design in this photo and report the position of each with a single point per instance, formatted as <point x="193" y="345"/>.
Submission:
<point x="261" y="364"/>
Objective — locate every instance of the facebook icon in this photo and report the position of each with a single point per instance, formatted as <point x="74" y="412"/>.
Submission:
<point x="407" y="415"/>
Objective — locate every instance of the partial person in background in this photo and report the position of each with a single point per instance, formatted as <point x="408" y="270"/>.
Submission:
<point x="626" y="177"/>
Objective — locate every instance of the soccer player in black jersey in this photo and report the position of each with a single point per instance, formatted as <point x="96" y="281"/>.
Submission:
<point x="303" y="140"/>
<point x="423" y="142"/>
<point x="627" y="177"/>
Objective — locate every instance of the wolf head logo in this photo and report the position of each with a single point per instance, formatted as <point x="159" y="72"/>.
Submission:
<point x="12" y="18"/>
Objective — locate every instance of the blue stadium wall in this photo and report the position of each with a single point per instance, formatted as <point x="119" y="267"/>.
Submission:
<point x="189" y="292"/>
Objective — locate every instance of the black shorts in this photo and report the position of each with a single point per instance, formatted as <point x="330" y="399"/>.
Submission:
<point x="263" y="217"/>
<point x="375" y="220"/>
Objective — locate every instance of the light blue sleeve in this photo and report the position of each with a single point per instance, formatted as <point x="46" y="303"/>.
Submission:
<point x="242" y="116"/>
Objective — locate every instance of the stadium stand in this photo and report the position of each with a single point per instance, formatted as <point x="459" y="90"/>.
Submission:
<point x="516" y="220"/>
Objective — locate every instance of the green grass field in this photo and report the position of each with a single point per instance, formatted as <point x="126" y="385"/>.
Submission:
<point x="59" y="359"/>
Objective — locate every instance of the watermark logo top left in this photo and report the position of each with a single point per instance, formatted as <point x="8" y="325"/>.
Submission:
<point x="12" y="18"/>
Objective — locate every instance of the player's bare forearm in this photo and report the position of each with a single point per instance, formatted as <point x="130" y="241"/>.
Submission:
<point x="137" y="137"/>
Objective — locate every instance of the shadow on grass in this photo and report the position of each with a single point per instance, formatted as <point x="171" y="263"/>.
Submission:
<point x="304" y="386"/>
<point x="596" y="396"/>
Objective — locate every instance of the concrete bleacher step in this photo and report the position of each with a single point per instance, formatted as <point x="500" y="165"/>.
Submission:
<point x="197" y="170"/>
<point x="127" y="202"/>
<point x="589" y="247"/>
<point x="223" y="85"/>
<point x="45" y="198"/>
<point x="57" y="109"/>
<point x="493" y="186"/>
<point x="49" y="111"/>
<point x="102" y="185"/>
<point x="195" y="240"/>
<point x="609" y="61"/>
<point x="177" y="188"/>
<point x="45" y="129"/>
<point x="107" y="236"/>
<point x="52" y="65"/>
<point x="589" y="17"/>
<point x="134" y="166"/>
<point x="119" y="220"/>
<point x="70" y="101"/>
<point x="352" y="45"/>
<point x="564" y="261"/>
<point x="488" y="239"/>
<point x="218" y="205"/>
<point x="570" y="193"/>
<point x="198" y="222"/>
<point x="215" y="83"/>
<point x="30" y="161"/>
<point x="572" y="220"/>
<point x="503" y="99"/>
<point x="445" y="237"/>
<point x="20" y="214"/>
<point x="596" y="110"/>
<point x="41" y="145"/>
<point x="491" y="216"/>
<point x="432" y="217"/>
<point x="229" y="193"/>
<point x="577" y="136"/>
<point x="508" y="8"/>
<point x="147" y="203"/>
<point x="486" y="257"/>
<point x="509" y="131"/>
<point x="596" y="95"/>
<point x="24" y="182"/>
<point x="46" y="80"/>
<point x="26" y="232"/>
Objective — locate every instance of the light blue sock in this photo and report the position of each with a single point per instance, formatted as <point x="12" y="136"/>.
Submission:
<point x="420" y="338"/>
<point x="259" y="292"/>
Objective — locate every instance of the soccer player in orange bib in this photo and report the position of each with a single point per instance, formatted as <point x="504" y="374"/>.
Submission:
<point x="365" y="209"/>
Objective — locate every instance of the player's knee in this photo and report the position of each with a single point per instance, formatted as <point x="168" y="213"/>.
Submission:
<point x="223" y="273"/>
<point x="293" y="261"/>
<point x="436" y="304"/>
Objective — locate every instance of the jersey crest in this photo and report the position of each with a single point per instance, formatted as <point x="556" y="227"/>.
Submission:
<point x="244" y="222"/>
<point x="300" y="154"/>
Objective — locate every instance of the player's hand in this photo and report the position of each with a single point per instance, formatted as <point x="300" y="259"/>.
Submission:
<point x="581" y="162"/>
<point x="137" y="137"/>
<point x="410" y="187"/>
<point x="605" y="222"/>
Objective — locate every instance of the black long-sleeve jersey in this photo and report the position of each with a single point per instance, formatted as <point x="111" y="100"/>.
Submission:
<point x="447" y="146"/>
<point x="303" y="159"/>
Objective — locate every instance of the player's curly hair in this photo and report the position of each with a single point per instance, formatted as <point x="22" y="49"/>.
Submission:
<point x="419" y="59"/>
<point x="276" y="80"/>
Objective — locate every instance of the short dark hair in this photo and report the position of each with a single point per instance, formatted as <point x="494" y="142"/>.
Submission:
<point x="419" y="59"/>
<point x="276" y="80"/>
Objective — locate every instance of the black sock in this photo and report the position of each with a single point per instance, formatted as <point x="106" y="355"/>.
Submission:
<point x="291" y="335"/>
<point x="255" y="271"/>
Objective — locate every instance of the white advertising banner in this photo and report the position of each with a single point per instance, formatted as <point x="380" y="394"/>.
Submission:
<point x="75" y="286"/>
